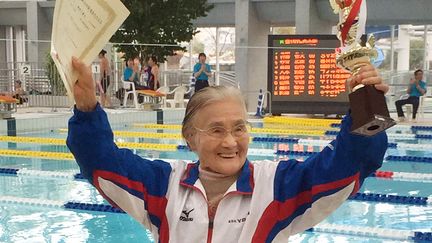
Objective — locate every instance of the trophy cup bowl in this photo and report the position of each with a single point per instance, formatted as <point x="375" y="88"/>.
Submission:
<point x="369" y="110"/>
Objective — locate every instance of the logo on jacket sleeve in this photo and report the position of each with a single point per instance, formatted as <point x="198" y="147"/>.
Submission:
<point x="185" y="215"/>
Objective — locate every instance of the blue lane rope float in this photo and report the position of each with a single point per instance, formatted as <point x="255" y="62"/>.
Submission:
<point x="42" y="173"/>
<point x="331" y="133"/>
<point x="393" y="234"/>
<point x="8" y="171"/>
<point x="59" y="204"/>
<point x="385" y="198"/>
<point x="409" y="158"/>
<point x="422" y="236"/>
<point x="92" y="207"/>
<point x="421" y="128"/>
<point x="79" y="176"/>
<point x="423" y="136"/>
<point x="273" y="139"/>
<point x="297" y="153"/>
<point x="335" y="125"/>
<point x="183" y="147"/>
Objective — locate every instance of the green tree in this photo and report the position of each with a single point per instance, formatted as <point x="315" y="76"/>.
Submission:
<point x="416" y="54"/>
<point x="159" y="22"/>
<point x="55" y="81"/>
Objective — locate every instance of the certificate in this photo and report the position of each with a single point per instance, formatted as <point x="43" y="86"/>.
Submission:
<point x="81" y="28"/>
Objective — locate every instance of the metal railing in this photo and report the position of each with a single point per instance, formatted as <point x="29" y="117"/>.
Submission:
<point x="228" y="78"/>
<point x="44" y="88"/>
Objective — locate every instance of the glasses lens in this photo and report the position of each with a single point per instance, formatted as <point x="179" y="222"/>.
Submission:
<point x="220" y="132"/>
<point x="240" y="130"/>
<point x="217" y="132"/>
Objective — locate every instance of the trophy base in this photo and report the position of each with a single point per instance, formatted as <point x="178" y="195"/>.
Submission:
<point x="369" y="111"/>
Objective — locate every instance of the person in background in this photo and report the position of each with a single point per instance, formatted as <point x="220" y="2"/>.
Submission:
<point x="132" y="73"/>
<point x="201" y="72"/>
<point x="416" y="88"/>
<point x="145" y="72"/>
<point x="105" y="71"/>
<point x="19" y="92"/>
<point x="153" y="81"/>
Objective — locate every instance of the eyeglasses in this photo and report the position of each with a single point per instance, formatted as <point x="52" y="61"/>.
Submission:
<point x="221" y="132"/>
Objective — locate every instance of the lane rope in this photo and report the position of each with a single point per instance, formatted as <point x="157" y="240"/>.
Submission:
<point x="362" y="231"/>
<point x="35" y="202"/>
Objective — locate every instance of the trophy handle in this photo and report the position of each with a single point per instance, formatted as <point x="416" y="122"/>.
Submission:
<point x="369" y="111"/>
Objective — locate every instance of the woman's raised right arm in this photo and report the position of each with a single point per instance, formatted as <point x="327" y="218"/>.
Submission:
<point x="136" y="185"/>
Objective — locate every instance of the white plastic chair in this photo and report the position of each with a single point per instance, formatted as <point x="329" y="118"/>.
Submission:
<point x="189" y="92"/>
<point x="179" y="94"/>
<point x="164" y="90"/>
<point x="410" y="107"/>
<point x="420" y="110"/>
<point x="130" y="89"/>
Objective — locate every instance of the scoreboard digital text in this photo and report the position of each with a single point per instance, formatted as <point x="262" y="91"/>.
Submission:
<point x="303" y="76"/>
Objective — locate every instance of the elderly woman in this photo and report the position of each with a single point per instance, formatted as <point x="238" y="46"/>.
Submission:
<point x="223" y="197"/>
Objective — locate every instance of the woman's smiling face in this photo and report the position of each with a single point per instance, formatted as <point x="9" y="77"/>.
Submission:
<point x="222" y="154"/>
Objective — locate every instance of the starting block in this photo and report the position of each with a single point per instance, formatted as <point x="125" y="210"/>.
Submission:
<point x="152" y="99"/>
<point x="8" y="106"/>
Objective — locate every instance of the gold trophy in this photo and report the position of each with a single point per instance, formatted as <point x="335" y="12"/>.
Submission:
<point x="369" y="110"/>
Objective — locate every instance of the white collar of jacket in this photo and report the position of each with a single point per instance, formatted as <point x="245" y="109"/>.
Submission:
<point x="244" y="184"/>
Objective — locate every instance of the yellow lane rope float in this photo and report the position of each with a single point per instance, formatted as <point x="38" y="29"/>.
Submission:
<point x="52" y="141"/>
<point x="140" y="134"/>
<point x="288" y="131"/>
<point x="158" y="126"/>
<point x="59" y="141"/>
<point x="69" y="156"/>
<point x="299" y="127"/>
<point x="301" y="121"/>
<point x="36" y="154"/>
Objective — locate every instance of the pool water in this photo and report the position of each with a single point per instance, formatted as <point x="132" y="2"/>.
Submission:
<point x="27" y="223"/>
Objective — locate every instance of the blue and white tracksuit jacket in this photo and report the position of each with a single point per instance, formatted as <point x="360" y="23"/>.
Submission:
<point x="269" y="202"/>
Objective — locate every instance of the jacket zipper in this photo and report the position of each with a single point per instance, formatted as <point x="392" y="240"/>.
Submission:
<point x="210" y="232"/>
<point x="211" y="224"/>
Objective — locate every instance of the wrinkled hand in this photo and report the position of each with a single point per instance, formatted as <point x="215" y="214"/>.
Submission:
<point x="84" y="88"/>
<point x="368" y="75"/>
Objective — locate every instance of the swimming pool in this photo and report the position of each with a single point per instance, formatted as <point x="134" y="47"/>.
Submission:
<point x="39" y="181"/>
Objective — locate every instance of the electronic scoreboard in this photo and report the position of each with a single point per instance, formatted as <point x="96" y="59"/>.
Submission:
<point x="303" y="76"/>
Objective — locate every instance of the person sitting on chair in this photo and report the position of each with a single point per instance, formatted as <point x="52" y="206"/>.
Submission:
<point x="132" y="73"/>
<point x="416" y="88"/>
<point x="19" y="93"/>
